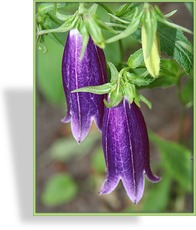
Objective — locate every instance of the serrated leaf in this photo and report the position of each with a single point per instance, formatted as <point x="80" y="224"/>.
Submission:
<point x="139" y="80"/>
<point x="173" y="25"/>
<point x="186" y="46"/>
<point x="169" y="74"/>
<point x="59" y="189"/>
<point x="141" y="72"/>
<point x="136" y="59"/>
<point x="100" y="89"/>
<point x="169" y="42"/>
<point x="176" y="160"/>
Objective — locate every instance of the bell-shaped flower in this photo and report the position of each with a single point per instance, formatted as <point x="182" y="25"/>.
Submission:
<point x="126" y="150"/>
<point x="82" y="108"/>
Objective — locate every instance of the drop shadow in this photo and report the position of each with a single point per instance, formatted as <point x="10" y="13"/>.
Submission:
<point x="19" y="109"/>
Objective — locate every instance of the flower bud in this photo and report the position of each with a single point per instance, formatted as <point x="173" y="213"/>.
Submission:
<point x="82" y="108"/>
<point x="126" y="150"/>
<point x="151" y="58"/>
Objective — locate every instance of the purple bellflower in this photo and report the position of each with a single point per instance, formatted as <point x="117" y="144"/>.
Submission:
<point x="126" y="150"/>
<point x="82" y="108"/>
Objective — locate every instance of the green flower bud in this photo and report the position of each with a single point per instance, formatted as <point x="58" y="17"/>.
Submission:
<point x="151" y="59"/>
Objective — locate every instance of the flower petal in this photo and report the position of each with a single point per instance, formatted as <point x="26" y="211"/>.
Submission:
<point x="90" y="71"/>
<point x="140" y="139"/>
<point x="126" y="149"/>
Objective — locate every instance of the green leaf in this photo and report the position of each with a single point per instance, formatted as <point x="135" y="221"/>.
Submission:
<point x="44" y="8"/>
<point x="168" y="76"/>
<point x="146" y="101"/>
<point x="141" y="72"/>
<point x="189" y="6"/>
<point x="186" y="93"/>
<point x="176" y="161"/>
<point x="85" y="38"/>
<point x="129" y="92"/>
<point x="114" y="72"/>
<point x="127" y="10"/>
<point x="170" y="14"/>
<point x="136" y="59"/>
<point x="110" y="56"/>
<point x="131" y="28"/>
<point x="118" y="19"/>
<point x="68" y="24"/>
<point x="173" y="25"/>
<point x="61" y="17"/>
<point x="157" y="198"/>
<point x="139" y="80"/>
<point x="169" y="42"/>
<point x="115" y="97"/>
<point x="92" y="10"/>
<point x="95" y="31"/>
<point x="186" y="46"/>
<point x="59" y="189"/>
<point x="123" y="9"/>
<point x="49" y="77"/>
<point x="64" y="149"/>
<point x="100" y="89"/>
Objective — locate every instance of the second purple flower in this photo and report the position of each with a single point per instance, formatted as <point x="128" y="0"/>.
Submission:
<point x="82" y="108"/>
<point x="126" y="150"/>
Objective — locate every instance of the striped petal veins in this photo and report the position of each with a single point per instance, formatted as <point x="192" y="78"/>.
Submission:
<point x="126" y="150"/>
<point x="82" y="108"/>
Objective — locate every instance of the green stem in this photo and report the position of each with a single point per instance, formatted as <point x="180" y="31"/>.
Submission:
<point x="105" y="7"/>
<point x="54" y="19"/>
<point x="121" y="49"/>
<point x="81" y="8"/>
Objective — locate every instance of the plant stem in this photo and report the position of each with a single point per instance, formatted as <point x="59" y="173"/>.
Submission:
<point x="121" y="49"/>
<point x="105" y="7"/>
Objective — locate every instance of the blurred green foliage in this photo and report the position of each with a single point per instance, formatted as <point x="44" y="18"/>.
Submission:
<point x="176" y="161"/>
<point x="65" y="149"/>
<point x="49" y="77"/>
<point x="59" y="189"/>
<point x="186" y="93"/>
